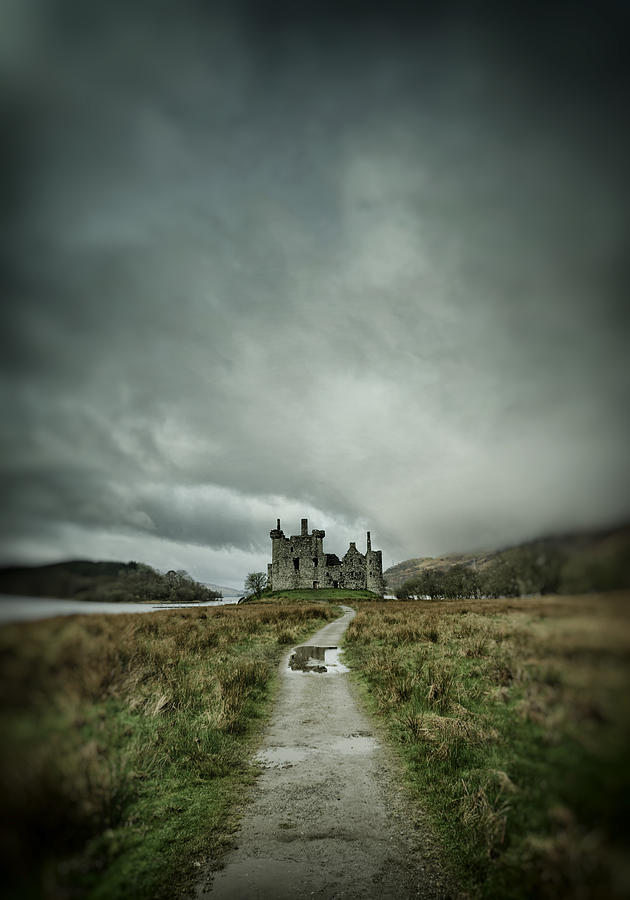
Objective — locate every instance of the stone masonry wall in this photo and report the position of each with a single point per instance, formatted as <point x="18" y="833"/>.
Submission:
<point x="353" y="569"/>
<point x="299" y="561"/>
<point x="374" y="564"/>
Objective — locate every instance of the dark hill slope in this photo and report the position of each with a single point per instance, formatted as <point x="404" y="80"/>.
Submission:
<point x="585" y="561"/>
<point x="81" y="579"/>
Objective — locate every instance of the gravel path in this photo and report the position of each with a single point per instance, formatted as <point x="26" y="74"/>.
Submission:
<point x="326" y="818"/>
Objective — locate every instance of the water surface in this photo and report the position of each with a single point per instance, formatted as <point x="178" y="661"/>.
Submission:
<point x="14" y="608"/>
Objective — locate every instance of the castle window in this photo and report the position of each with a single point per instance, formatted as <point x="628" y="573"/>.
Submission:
<point x="315" y="585"/>
<point x="335" y="584"/>
<point x="315" y="561"/>
<point x="296" y="563"/>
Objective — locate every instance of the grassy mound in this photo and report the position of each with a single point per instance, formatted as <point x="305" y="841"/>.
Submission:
<point x="322" y="595"/>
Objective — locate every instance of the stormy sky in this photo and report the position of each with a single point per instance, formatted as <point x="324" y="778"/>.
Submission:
<point x="361" y="262"/>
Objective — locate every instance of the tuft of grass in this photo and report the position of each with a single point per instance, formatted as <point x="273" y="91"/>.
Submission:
<point x="126" y="741"/>
<point x="514" y="722"/>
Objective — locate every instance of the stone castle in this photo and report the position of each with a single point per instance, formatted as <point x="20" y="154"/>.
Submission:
<point x="299" y="561"/>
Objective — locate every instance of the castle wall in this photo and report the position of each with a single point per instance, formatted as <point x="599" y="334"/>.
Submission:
<point x="299" y="561"/>
<point x="332" y="576"/>
<point x="353" y="569"/>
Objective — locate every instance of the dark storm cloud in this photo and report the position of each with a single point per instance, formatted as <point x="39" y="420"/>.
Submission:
<point x="366" y="262"/>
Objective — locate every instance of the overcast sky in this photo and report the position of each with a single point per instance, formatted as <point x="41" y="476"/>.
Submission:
<point x="350" y="261"/>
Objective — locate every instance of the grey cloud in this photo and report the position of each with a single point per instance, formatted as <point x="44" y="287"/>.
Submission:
<point x="262" y="258"/>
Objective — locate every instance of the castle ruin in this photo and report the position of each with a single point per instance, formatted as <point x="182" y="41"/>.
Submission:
<point x="299" y="561"/>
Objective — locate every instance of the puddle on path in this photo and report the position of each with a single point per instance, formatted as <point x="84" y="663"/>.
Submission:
<point x="312" y="659"/>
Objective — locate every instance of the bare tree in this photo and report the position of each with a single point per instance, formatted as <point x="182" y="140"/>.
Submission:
<point x="255" y="583"/>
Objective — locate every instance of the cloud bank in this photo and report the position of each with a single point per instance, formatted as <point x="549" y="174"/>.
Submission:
<point x="263" y="260"/>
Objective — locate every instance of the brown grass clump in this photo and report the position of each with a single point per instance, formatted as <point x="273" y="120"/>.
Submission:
<point x="446" y="734"/>
<point x="442" y="684"/>
<point x="505" y="710"/>
<point x="488" y="819"/>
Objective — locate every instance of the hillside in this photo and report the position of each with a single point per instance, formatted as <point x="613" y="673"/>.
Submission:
<point x="580" y="562"/>
<point x="223" y="590"/>
<point x="410" y="568"/>
<point x="82" y="579"/>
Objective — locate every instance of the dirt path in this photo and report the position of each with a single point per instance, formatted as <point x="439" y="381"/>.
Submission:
<point x="326" y="819"/>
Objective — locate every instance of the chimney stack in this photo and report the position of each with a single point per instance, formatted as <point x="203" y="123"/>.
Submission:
<point x="278" y="525"/>
<point x="304" y="527"/>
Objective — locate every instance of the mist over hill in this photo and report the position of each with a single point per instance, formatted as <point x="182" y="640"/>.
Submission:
<point x="596" y="560"/>
<point x="223" y="590"/>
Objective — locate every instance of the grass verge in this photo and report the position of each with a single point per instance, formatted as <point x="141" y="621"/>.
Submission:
<point x="514" y="722"/>
<point x="126" y="741"/>
<point x="309" y="595"/>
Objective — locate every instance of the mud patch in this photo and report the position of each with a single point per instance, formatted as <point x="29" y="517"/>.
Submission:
<point x="283" y="757"/>
<point x="354" y="745"/>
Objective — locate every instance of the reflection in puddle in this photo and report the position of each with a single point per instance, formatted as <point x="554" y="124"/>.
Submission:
<point x="310" y="658"/>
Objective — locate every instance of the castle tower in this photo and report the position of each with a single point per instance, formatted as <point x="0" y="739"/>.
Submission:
<point x="374" y="569"/>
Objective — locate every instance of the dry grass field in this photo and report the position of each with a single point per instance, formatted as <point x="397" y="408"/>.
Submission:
<point x="513" y="719"/>
<point x="125" y="742"/>
<point x="126" y="738"/>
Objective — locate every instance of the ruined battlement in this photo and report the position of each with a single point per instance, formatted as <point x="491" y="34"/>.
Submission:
<point x="299" y="561"/>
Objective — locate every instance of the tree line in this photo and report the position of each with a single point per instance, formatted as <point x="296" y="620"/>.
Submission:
<point x="105" y="581"/>
<point x="138" y="581"/>
<point x="521" y="571"/>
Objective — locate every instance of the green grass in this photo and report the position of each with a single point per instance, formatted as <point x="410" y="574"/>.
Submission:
<point x="126" y="742"/>
<point x="513" y="720"/>
<point x="331" y="595"/>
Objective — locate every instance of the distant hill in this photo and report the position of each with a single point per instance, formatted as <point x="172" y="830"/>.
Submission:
<point x="396" y="575"/>
<point x="226" y="591"/>
<point x="581" y="562"/>
<point x="81" y="579"/>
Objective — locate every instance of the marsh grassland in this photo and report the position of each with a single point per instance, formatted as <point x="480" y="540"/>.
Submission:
<point x="126" y="740"/>
<point x="513" y="720"/>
